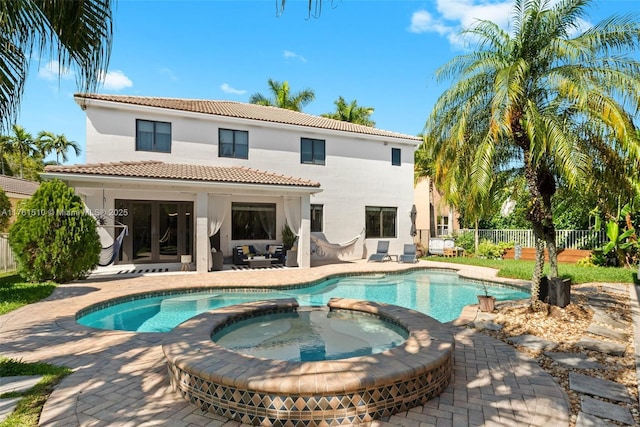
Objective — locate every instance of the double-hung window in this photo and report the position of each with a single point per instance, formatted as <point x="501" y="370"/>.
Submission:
<point x="443" y="225"/>
<point x="153" y="136"/>
<point x="233" y="143"/>
<point x="316" y="217"/>
<point x="380" y="221"/>
<point x="312" y="151"/>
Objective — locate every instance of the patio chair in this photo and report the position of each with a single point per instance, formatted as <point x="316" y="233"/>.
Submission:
<point x="408" y="254"/>
<point x="382" y="252"/>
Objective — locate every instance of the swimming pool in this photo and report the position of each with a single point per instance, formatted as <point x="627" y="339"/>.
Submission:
<point x="439" y="294"/>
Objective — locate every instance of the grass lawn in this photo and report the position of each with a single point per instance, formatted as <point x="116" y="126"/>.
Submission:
<point x="518" y="269"/>
<point x="15" y="293"/>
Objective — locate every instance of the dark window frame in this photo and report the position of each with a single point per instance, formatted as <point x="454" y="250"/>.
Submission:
<point x="396" y="157"/>
<point x="317" y="225"/>
<point x="234" y="150"/>
<point x="253" y="228"/>
<point x="377" y="228"/>
<point x="154" y="142"/>
<point x="315" y="151"/>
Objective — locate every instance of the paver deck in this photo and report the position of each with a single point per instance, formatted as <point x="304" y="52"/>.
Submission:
<point x="120" y="378"/>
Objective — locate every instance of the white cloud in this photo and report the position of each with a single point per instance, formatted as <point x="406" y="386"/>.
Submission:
<point x="52" y="71"/>
<point x="228" y="89"/>
<point x="115" y="80"/>
<point x="454" y="15"/>
<point x="292" y="55"/>
<point x="169" y="73"/>
<point x="423" y="22"/>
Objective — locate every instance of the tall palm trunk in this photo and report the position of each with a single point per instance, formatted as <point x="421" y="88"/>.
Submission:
<point x="542" y="186"/>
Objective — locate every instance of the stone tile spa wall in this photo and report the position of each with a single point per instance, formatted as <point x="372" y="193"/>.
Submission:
<point x="349" y="391"/>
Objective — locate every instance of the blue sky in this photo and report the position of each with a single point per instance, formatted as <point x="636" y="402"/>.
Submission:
<point x="382" y="53"/>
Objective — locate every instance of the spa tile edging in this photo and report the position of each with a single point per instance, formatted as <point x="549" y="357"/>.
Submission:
<point x="265" y="392"/>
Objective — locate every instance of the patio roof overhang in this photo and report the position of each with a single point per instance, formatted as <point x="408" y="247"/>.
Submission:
<point x="158" y="176"/>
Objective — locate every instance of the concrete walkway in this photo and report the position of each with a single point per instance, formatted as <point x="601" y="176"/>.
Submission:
<point x="120" y="377"/>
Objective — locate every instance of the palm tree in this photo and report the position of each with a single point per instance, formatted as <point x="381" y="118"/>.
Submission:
<point x="5" y="148"/>
<point x="351" y="112"/>
<point x="48" y="143"/>
<point x="22" y="143"/>
<point x="553" y="100"/>
<point x="282" y="97"/>
<point x="79" y="32"/>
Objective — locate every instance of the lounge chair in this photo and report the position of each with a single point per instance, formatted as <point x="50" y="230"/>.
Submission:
<point x="409" y="254"/>
<point x="382" y="252"/>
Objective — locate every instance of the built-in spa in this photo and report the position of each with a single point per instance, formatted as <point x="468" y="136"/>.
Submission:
<point x="356" y="361"/>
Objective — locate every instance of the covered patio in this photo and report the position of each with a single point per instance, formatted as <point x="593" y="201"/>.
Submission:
<point x="175" y="210"/>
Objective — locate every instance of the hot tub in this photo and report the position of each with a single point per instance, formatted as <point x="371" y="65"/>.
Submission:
<point x="347" y="391"/>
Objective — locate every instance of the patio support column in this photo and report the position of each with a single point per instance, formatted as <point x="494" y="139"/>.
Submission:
<point x="202" y="236"/>
<point x="304" y="239"/>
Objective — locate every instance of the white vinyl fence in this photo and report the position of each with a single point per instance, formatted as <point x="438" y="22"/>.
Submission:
<point x="565" y="239"/>
<point x="7" y="261"/>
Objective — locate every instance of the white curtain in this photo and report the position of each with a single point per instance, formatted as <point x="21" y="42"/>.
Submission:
<point x="292" y="214"/>
<point x="219" y="207"/>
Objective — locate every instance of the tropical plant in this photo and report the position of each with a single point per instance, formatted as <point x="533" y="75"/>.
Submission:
<point x="48" y="142"/>
<point x="79" y="32"/>
<point x="623" y="242"/>
<point x="351" y="112"/>
<point x="6" y="211"/>
<point x="282" y="97"/>
<point x="5" y="148"/>
<point x="23" y="144"/>
<point x="548" y="97"/>
<point x="288" y="238"/>
<point x="53" y="238"/>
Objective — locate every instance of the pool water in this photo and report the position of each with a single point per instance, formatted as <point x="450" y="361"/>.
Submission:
<point x="311" y="335"/>
<point x="441" y="295"/>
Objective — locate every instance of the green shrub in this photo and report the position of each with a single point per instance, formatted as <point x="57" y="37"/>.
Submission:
<point x="5" y="210"/>
<point x="53" y="237"/>
<point x="490" y="250"/>
<point x="466" y="241"/>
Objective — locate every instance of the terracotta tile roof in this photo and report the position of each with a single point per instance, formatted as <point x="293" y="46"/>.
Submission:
<point x="157" y="169"/>
<point x="18" y="186"/>
<point x="245" y="111"/>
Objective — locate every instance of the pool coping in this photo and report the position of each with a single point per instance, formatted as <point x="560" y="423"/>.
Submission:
<point x="120" y="377"/>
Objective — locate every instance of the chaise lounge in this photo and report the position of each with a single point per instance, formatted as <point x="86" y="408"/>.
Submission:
<point x="409" y="254"/>
<point x="382" y="252"/>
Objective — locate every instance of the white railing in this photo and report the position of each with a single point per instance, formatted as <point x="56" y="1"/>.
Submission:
<point x="7" y="261"/>
<point x="565" y="239"/>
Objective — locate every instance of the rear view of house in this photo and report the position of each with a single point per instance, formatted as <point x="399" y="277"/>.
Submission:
<point x="188" y="175"/>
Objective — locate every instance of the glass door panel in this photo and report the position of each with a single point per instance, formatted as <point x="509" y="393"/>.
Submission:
<point x="168" y="228"/>
<point x="141" y="232"/>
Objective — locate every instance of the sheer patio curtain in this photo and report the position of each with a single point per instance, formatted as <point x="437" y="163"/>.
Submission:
<point x="219" y="207"/>
<point x="292" y="214"/>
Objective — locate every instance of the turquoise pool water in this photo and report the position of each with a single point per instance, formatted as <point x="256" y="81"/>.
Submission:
<point x="311" y="335"/>
<point x="441" y="295"/>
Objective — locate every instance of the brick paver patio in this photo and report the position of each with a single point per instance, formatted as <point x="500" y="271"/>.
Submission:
<point x="120" y="378"/>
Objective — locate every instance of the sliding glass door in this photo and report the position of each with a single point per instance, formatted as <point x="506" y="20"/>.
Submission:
<point x="159" y="231"/>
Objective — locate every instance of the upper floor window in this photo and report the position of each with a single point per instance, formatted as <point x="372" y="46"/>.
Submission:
<point x="153" y="136"/>
<point x="312" y="151"/>
<point x="316" y="217"/>
<point x="395" y="156"/>
<point x="380" y="221"/>
<point x="233" y="143"/>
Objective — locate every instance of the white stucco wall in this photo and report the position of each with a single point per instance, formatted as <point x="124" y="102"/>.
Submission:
<point x="357" y="171"/>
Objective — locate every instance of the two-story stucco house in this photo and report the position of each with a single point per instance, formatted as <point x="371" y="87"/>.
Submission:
<point x="186" y="175"/>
